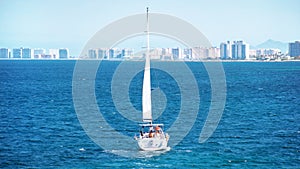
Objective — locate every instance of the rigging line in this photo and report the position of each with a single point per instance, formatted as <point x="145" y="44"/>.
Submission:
<point x="156" y="85"/>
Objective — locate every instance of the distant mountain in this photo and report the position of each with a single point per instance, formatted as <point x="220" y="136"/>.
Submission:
<point x="273" y="44"/>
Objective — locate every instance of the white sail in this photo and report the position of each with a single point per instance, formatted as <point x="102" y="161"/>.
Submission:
<point x="147" y="108"/>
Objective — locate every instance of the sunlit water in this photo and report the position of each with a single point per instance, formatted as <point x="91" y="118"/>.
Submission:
<point x="260" y="126"/>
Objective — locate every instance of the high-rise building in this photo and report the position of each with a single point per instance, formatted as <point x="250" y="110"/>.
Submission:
<point x="240" y="50"/>
<point x="294" y="49"/>
<point x="155" y="53"/>
<point x="102" y="53"/>
<point x="187" y="52"/>
<point x="177" y="53"/>
<point x="166" y="53"/>
<point x="114" y="53"/>
<point x="127" y="53"/>
<point x="26" y="53"/>
<point x="63" y="53"/>
<point x="214" y="53"/>
<point x="37" y="53"/>
<point x="17" y="53"/>
<point x="200" y="53"/>
<point x="92" y="54"/>
<point x="111" y="53"/>
<point x="225" y="50"/>
<point x="4" y="53"/>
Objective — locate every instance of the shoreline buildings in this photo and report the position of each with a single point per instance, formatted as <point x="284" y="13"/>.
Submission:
<point x="229" y="50"/>
<point x="225" y="50"/>
<point x="294" y="49"/>
<point x="237" y="50"/>
<point x="113" y="53"/>
<point x="63" y="53"/>
<point x="28" y="53"/>
<point x="240" y="50"/>
<point x="4" y="53"/>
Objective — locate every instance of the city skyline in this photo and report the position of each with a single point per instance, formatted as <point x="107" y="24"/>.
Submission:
<point x="229" y="50"/>
<point x="41" y="24"/>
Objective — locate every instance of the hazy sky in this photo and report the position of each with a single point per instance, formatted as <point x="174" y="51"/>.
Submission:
<point x="70" y="23"/>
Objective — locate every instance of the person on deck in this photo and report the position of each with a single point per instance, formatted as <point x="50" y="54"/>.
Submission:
<point x="150" y="134"/>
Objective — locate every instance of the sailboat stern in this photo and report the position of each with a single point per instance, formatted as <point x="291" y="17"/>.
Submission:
<point x="154" y="139"/>
<point x="152" y="144"/>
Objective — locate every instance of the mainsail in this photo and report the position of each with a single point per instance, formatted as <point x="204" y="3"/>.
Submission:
<point x="147" y="108"/>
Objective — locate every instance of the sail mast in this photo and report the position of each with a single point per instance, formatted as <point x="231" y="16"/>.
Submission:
<point x="148" y="41"/>
<point x="146" y="99"/>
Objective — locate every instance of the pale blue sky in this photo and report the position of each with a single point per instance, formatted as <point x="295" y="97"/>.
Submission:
<point x="70" y="23"/>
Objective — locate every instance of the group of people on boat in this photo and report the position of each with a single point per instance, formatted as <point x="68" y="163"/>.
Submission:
<point x="152" y="133"/>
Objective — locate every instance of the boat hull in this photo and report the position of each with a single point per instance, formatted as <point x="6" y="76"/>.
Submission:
<point x="152" y="144"/>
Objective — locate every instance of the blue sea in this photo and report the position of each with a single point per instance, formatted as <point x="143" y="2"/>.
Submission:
<point x="259" y="128"/>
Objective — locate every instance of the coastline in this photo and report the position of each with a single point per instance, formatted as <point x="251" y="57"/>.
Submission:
<point x="141" y="60"/>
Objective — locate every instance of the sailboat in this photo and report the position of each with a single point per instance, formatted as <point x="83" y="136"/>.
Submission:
<point x="151" y="136"/>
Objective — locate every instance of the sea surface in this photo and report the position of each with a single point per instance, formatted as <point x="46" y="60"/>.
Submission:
<point x="259" y="128"/>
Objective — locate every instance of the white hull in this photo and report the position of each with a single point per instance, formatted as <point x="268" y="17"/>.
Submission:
<point x="152" y="144"/>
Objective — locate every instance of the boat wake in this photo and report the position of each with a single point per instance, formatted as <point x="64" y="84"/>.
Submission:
<point x="138" y="153"/>
<point x="149" y="154"/>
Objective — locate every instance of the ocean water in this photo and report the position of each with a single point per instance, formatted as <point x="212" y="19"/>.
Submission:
<point x="259" y="128"/>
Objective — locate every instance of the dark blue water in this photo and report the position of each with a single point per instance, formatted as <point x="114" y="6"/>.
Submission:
<point x="260" y="126"/>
